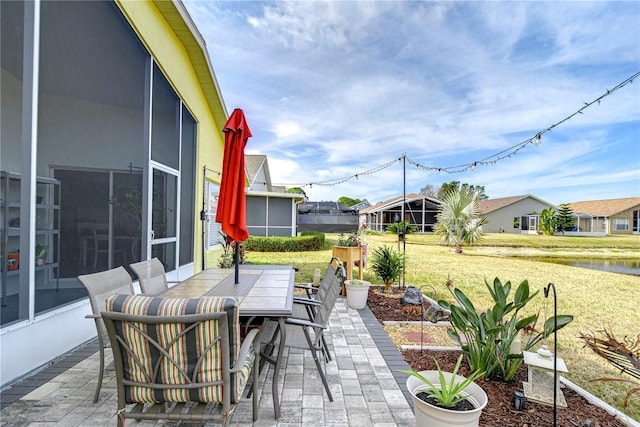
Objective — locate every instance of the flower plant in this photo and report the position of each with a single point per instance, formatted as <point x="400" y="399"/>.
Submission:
<point x="350" y="240"/>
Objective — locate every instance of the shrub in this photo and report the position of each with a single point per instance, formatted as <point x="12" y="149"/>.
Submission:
<point x="302" y="243"/>
<point x="489" y="335"/>
<point x="388" y="264"/>
<point x="227" y="258"/>
<point x="398" y="227"/>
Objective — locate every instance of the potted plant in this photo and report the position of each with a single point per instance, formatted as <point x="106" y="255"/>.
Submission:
<point x="351" y="240"/>
<point x="357" y="293"/>
<point x="41" y="254"/>
<point x="348" y="250"/>
<point x="444" y="399"/>
<point x="388" y="264"/>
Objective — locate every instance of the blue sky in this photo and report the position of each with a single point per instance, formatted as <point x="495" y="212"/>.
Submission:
<point x="333" y="89"/>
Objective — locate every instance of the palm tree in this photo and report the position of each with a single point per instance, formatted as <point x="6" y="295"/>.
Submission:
<point x="459" y="219"/>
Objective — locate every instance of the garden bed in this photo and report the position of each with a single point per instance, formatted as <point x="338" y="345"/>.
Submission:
<point x="499" y="411"/>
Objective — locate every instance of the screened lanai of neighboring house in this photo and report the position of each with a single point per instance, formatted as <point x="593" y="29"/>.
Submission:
<point x="419" y="210"/>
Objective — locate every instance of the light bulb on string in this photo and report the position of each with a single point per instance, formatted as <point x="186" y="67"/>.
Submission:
<point x="538" y="140"/>
<point x="473" y="167"/>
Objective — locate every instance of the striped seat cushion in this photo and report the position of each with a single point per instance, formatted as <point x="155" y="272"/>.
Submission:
<point x="151" y="367"/>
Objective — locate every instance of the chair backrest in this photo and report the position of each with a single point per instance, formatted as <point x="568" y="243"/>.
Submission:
<point x="328" y="292"/>
<point x="174" y="349"/>
<point x="101" y="286"/>
<point x="151" y="275"/>
<point x="332" y="279"/>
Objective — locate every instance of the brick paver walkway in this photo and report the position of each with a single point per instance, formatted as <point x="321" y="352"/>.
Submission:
<point x="367" y="389"/>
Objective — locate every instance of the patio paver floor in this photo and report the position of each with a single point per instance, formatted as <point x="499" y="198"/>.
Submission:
<point x="367" y="389"/>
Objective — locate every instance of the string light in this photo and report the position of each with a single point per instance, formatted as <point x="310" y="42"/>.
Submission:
<point x="490" y="160"/>
<point x="536" y="140"/>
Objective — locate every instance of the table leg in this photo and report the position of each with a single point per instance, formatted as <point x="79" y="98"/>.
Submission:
<point x="276" y="367"/>
<point x="267" y="356"/>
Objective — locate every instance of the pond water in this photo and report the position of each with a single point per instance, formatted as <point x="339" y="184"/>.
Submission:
<point x="616" y="265"/>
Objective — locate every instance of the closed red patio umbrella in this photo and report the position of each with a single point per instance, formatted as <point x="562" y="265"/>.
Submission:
<point x="232" y="207"/>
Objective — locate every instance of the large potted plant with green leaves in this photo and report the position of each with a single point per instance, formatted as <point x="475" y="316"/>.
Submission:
<point x="443" y="399"/>
<point x="388" y="264"/>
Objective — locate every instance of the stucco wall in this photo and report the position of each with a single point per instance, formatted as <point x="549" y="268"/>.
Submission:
<point x="501" y="220"/>
<point x="628" y="214"/>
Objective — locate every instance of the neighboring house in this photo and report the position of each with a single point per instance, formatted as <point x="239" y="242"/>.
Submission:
<point x="419" y="210"/>
<point x="272" y="213"/>
<point x="361" y="206"/>
<point x="612" y="216"/>
<point x="517" y="214"/>
<point x="258" y="173"/>
<point x="270" y="210"/>
<point x="327" y="217"/>
<point x="110" y="113"/>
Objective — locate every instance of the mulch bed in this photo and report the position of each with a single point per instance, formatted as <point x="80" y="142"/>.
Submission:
<point x="499" y="410"/>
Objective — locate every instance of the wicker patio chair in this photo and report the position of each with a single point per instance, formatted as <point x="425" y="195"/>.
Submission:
<point x="176" y="357"/>
<point x="151" y="276"/>
<point x="101" y="286"/>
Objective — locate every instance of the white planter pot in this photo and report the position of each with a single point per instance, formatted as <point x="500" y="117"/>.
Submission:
<point x="357" y="294"/>
<point x="434" y="416"/>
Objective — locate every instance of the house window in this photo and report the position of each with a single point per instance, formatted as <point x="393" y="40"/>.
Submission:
<point x="621" y="224"/>
<point x="213" y="228"/>
<point x="636" y="221"/>
<point x="516" y="222"/>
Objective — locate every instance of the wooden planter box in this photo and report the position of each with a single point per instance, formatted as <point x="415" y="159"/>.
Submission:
<point x="348" y="255"/>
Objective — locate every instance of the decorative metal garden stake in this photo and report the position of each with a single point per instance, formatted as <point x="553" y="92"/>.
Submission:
<point x="555" y="348"/>
<point x="543" y="367"/>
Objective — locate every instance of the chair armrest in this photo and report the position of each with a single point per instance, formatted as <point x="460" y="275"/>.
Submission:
<point x="250" y="340"/>
<point x="93" y="316"/>
<point x="306" y="301"/>
<point x="301" y="322"/>
<point x="307" y="287"/>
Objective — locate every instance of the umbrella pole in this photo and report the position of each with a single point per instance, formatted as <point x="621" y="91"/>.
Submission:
<point x="237" y="263"/>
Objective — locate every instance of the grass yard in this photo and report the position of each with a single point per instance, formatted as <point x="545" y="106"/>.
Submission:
<point x="596" y="299"/>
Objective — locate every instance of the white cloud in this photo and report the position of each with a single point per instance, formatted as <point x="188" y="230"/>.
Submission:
<point x="337" y="88"/>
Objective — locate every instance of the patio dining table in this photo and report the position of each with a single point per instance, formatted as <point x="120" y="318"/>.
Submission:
<point x="263" y="291"/>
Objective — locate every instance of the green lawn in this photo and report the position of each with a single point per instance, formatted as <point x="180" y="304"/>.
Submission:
<point x="597" y="299"/>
